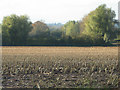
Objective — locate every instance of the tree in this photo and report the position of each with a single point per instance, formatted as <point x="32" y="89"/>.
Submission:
<point x="40" y="30"/>
<point x="99" y="23"/>
<point x="71" y="29"/>
<point x="56" y="34"/>
<point x="15" y="29"/>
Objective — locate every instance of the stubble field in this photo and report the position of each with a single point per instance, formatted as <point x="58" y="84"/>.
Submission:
<point x="60" y="67"/>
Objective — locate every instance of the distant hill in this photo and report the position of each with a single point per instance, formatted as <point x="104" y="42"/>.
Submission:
<point x="54" y="26"/>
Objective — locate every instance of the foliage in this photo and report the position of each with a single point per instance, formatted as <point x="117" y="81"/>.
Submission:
<point x="97" y="28"/>
<point x="40" y="30"/>
<point x="15" y="29"/>
<point x="71" y="29"/>
<point x="99" y="23"/>
<point x="57" y="34"/>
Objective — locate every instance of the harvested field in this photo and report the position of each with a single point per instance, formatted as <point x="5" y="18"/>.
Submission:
<point x="60" y="67"/>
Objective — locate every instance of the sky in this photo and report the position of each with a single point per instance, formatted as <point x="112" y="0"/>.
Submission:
<point x="53" y="11"/>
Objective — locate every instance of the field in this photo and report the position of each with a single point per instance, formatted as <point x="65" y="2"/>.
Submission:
<point x="60" y="67"/>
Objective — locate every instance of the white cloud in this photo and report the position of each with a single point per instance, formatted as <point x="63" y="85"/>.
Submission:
<point x="52" y="10"/>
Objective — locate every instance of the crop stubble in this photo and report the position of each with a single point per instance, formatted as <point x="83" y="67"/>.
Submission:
<point x="60" y="67"/>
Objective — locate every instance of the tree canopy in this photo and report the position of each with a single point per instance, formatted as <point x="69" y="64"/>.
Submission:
<point x="96" y="28"/>
<point x="15" y="29"/>
<point x="71" y="29"/>
<point x="40" y="30"/>
<point x="99" y="23"/>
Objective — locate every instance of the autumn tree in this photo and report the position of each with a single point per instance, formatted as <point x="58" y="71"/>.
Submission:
<point x="40" y="30"/>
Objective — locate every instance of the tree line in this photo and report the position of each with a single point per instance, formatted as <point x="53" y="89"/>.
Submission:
<point x="96" y="28"/>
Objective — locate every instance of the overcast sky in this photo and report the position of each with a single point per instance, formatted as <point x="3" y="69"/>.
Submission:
<point x="53" y="11"/>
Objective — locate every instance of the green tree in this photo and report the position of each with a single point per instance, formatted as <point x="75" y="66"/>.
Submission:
<point x="15" y="29"/>
<point x="99" y="23"/>
<point x="57" y="34"/>
<point x="71" y="29"/>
